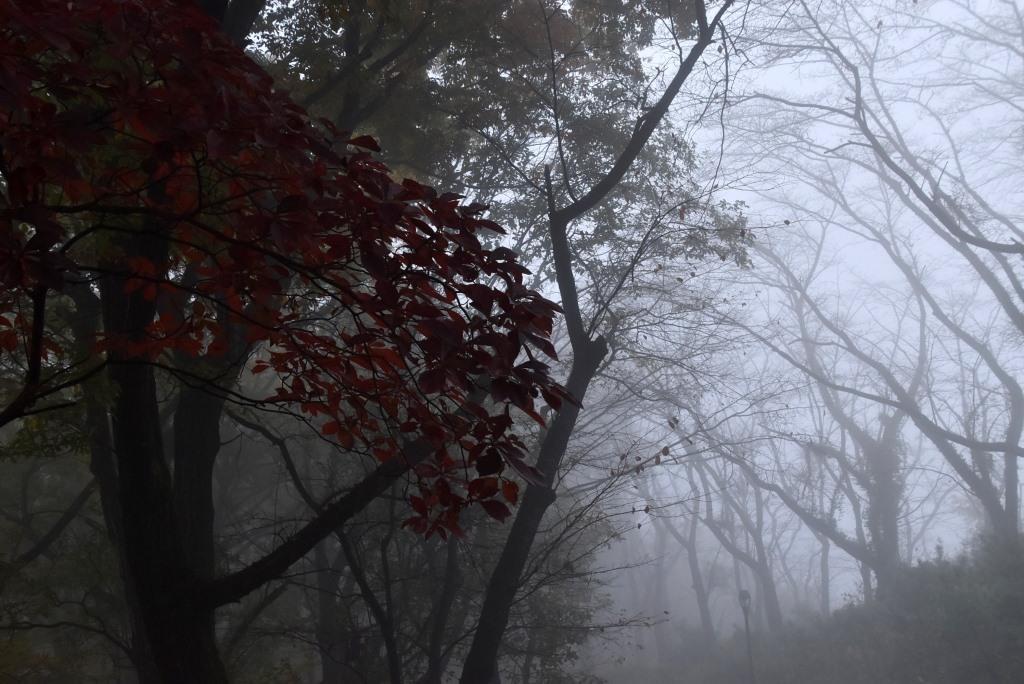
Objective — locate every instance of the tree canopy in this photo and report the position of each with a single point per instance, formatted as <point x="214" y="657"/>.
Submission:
<point x="166" y="174"/>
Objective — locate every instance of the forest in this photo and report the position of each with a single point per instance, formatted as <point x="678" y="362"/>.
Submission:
<point x="523" y="342"/>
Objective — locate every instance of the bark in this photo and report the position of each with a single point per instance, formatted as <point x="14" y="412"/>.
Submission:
<point x="179" y="630"/>
<point x="236" y="17"/>
<point x="825" y="605"/>
<point x="481" y="662"/>
<point x="436" y="659"/>
<point x="196" y="444"/>
<point x="380" y="613"/>
<point x="481" y="665"/>
<point x="330" y="635"/>
<point x="700" y="591"/>
<point x="85" y="325"/>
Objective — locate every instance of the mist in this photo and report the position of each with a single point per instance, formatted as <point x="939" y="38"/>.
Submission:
<point x="526" y="342"/>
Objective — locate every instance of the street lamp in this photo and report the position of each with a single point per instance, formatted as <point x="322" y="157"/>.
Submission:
<point x="745" y="605"/>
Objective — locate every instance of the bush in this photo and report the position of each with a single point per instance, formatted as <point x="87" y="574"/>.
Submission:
<point x="956" y="621"/>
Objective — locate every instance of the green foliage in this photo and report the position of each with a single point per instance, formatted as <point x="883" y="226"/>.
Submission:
<point x="46" y="435"/>
<point x="481" y="96"/>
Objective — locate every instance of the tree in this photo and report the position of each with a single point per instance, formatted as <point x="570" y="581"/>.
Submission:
<point x="588" y="349"/>
<point x="938" y="214"/>
<point x="567" y="88"/>
<point x="170" y="224"/>
<point x="864" y="441"/>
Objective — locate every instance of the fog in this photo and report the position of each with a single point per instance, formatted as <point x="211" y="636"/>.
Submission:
<point x="722" y="384"/>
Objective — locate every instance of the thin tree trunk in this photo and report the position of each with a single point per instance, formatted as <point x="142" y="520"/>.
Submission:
<point x="481" y="662"/>
<point x="481" y="665"/>
<point x="330" y="637"/>
<point x="1011" y="488"/>
<point x="442" y="610"/>
<point x="707" y="623"/>
<point x="825" y="605"/>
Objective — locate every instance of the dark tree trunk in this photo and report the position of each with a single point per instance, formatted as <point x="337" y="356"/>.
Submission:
<point x="196" y="444"/>
<point x="885" y="494"/>
<point x="481" y="663"/>
<point x="330" y="635"/>
<point x="178" y="629"/>
<point x="85" y="327"/>
<point x="436" y="660"/>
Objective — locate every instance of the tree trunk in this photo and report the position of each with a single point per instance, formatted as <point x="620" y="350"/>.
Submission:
<point x="330" y="637"/>
<point x="196" y="445"/>
<point x="1011" y="487"/>
<point x="884" y="497"/>
<point x="178" y="629"/>
<point x="481" y="665"/>
<point x="825" y="596"/>
<point x="707" y="623"/>
<point x="85" y="327"/>
<point x="442" y="610"/>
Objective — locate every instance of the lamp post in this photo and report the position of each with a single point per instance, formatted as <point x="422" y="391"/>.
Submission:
<point x="745" y="605"/>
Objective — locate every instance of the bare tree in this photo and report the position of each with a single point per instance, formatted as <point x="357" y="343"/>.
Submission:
<point x="922" y="200"/>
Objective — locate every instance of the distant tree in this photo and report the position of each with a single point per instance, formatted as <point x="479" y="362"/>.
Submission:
<point x="934" y="201"/>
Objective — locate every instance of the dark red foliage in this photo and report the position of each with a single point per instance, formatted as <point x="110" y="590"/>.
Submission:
<point x="372" y="302"/>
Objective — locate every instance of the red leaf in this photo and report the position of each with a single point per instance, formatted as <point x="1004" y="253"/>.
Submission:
<point x="432" y="381"/>
<point x="552" y="399"/>
<point x="510" y="490"/>
<point x="489" y="463"/>
<point x="366" y="142"/>
<point x="496" y="509"/>
<point x="483" y="487"/>
<point x="268" y="216"/>
<point x="418" y="505"/>
<point x="528" y="472"/>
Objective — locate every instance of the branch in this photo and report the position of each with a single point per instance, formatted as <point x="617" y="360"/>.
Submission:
<point x="648" y="123"/>
<point x="51" y="535"/>
<point x="856" y="550"/>
<point x="231" y="588"/>
<point x="27" y="396"/>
